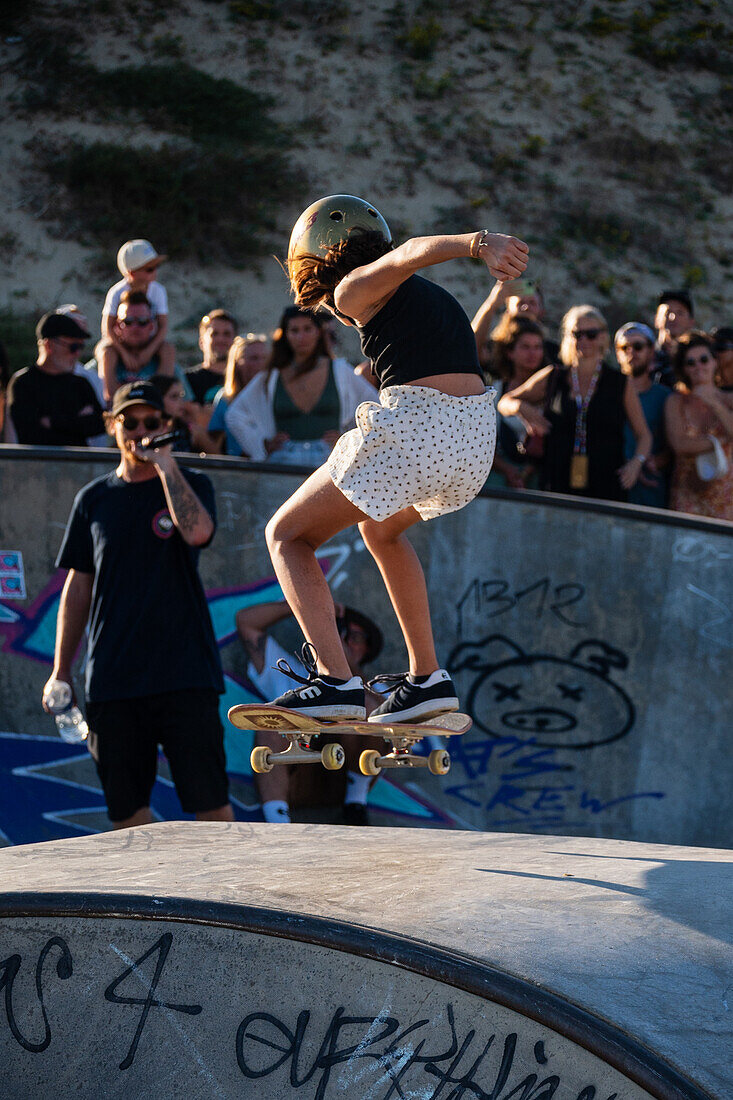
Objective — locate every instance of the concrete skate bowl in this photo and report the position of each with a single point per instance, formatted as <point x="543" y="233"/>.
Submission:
<point x="590" y="642"/>
<point x="318" y="962"/>
<point x="124" y="996"/>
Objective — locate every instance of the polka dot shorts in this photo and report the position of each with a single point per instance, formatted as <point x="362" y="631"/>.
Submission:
<point x="416" y="447"/>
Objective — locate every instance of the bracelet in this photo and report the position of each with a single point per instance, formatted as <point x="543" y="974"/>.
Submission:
<point x="640" y="458"/>
<point x="477" y="241"/>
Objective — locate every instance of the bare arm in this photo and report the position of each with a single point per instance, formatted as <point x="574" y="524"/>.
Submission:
<point x="194" y="523"/>
<point x="717" y="402"/>
<point x="680" y="442"/>
<point x="485" y="315"/>
<point x="76" y="599"/>
<point x="525" y="401"/>
<point x="252" y="624"/>
<point x="365" y="290"/>
<point x="144" y="355"/>
<point x="629" y="472"/>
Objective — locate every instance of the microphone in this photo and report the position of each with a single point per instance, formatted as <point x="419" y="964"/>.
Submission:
<point x="154" y="443"/>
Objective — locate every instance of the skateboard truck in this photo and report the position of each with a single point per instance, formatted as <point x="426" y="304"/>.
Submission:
<point x="371" y="762"/>
<point x="264" y="759"/>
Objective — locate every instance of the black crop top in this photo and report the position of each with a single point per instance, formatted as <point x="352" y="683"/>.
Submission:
<point x="422" y="330"/>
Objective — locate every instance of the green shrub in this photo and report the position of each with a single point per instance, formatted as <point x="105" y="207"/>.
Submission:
<point x="174" y="97"/>
<point x="213" y="205"/>
<point x="18" y="337"/>
<point x="420" y="40"/>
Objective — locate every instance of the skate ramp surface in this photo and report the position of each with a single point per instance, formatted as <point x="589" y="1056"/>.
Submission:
<point x="207" y="960"/>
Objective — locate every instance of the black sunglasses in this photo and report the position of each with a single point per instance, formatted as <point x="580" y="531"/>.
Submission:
<point x="150" y="423"/>
<point x="637" y="346"/>
<point x="589" y="333"/>
<point x="703" y="359"/>
<point x="73" y="345"/>
<point x="130" y="322"/>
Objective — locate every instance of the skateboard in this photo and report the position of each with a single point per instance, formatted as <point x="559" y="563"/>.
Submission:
<point x="299" y="730"/>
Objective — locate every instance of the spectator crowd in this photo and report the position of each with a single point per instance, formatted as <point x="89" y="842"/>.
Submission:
<point x="642" y="415"/>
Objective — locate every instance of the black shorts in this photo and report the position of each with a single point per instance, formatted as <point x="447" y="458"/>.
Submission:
<point x="124" y="735"/>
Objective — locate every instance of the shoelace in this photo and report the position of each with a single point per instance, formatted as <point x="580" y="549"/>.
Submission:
<point x="395" y="678"/>
<point x="308" y="658"/>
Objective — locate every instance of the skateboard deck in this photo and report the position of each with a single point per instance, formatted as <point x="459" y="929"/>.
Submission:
<point x="299" y="730"/>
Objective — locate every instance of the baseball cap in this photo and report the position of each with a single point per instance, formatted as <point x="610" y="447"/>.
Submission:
<point x="136" y="254"/>
<point x="71" y="310"/>
<point x="137" y="393"/>
<point x="722" y="337"/>
<point x="59" y="324"/>
<point x="680" y="295"/>
<point x="632" y="327"/>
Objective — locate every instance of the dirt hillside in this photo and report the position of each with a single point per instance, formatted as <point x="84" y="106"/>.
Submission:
<point x="598" y="132"/>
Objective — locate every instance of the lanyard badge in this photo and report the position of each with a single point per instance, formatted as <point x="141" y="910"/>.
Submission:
<point x="579" y="460"/>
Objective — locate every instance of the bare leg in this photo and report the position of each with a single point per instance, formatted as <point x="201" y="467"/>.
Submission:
<point x="273" y="786"/>
<point x="314" y="513"/>
<point x="221" y="813"/>
<point x="142" y="816"/>
<point x="405" y="582"/>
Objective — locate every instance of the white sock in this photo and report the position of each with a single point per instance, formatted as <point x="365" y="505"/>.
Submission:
<point x="276" y="811"/>
<point x="357" y="788"/>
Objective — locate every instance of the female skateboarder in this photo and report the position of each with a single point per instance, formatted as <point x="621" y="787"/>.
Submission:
<point x="423" y="450"/>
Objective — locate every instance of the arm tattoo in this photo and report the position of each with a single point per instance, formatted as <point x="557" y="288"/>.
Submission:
<point x="188" y="511"/>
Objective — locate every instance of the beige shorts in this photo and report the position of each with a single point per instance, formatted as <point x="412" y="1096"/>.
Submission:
<point x="416" y="447"/>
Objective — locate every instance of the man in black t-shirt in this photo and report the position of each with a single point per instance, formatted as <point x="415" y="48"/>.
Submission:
<point x="217" y="330"/>
<point x="47" y="403"/>
<point x="153" y="673"/>
<point x="216" y="335"/>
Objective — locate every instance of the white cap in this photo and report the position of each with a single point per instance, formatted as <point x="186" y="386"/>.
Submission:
<point x="136" y="254"/>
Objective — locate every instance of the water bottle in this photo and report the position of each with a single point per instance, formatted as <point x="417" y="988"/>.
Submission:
<point x="70" y="721"/>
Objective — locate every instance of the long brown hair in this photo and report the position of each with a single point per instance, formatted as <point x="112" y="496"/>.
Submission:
<point x="282" y="353"/>
<point x="232" y="380"/>
<point x="504" y="339"/>
<point x="315" y="278"/>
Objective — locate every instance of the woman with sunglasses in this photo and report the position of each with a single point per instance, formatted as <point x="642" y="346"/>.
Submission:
<point x="581" y="408"/>
<point x="696" y="414"/>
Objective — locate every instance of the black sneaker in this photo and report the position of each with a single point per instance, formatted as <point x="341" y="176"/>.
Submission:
<point x="410" y="702"/>
<point x="321" y="696"/>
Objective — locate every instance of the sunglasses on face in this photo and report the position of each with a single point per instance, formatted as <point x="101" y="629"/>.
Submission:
<point x="131" y="322"/>
<point x="632" y="347"/>
<point x="73" y="345"/>
<point x="150" y="423"/>
<point x="587" y="333"/>
<point x="696" y="362"/>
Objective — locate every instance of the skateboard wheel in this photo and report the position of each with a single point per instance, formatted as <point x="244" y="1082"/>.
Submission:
<point x="260" y="760"/>
<point x="333" y="757"/>
<point x="439" y="762"/>
<point x="369" y="762"/>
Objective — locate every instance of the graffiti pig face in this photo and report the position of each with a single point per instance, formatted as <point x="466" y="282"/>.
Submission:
<point x="556" y="702"/>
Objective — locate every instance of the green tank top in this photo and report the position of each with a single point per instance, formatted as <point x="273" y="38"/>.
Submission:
<point x="324" y="417"/>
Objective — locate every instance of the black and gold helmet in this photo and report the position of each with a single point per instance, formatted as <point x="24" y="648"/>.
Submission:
<point x="327" y="221"/>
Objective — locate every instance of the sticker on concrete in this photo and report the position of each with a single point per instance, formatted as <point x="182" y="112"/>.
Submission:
<point x="12" y="575"/>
